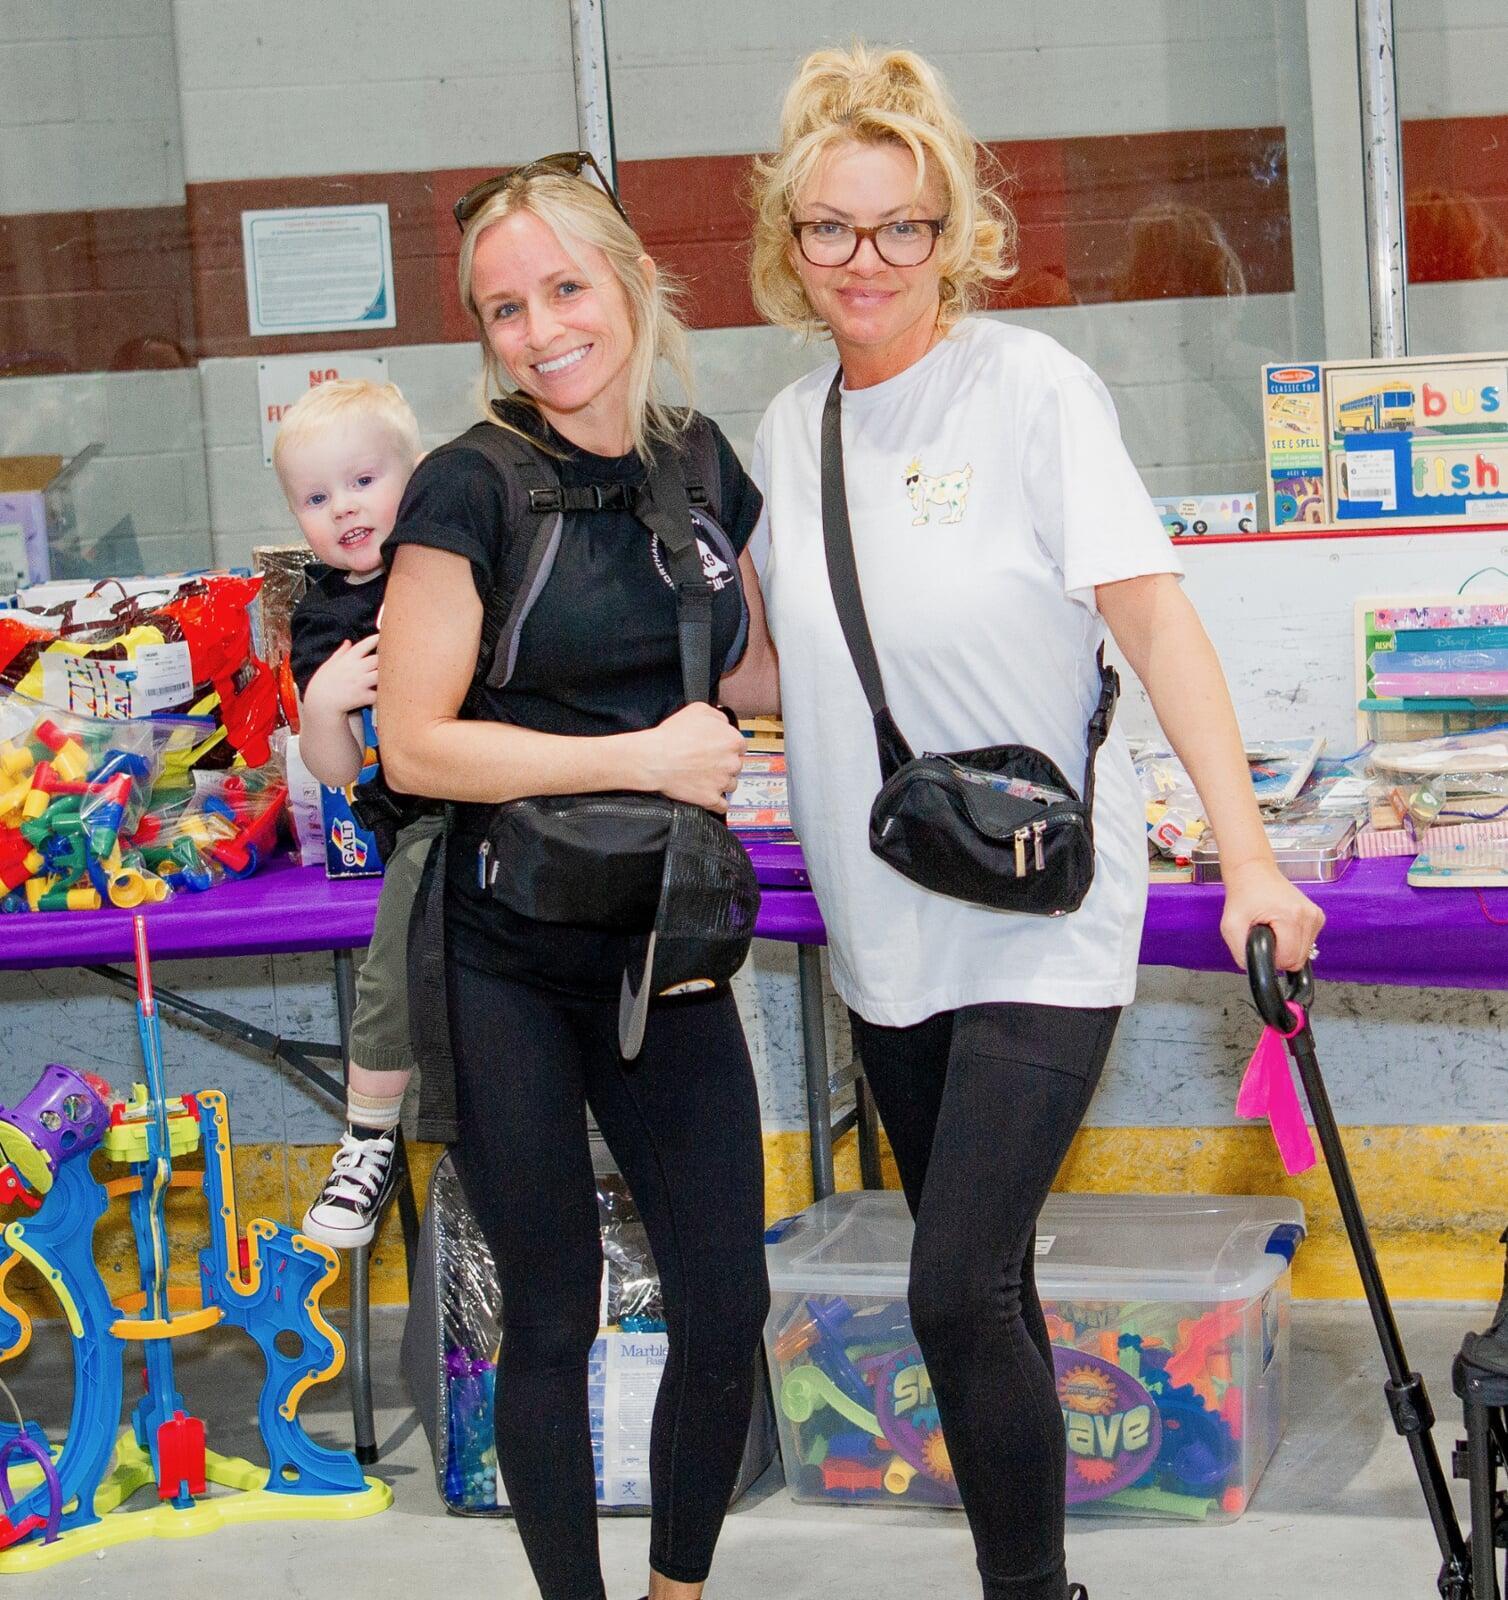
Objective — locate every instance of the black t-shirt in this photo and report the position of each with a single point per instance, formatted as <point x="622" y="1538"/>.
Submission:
<point x="332" y="611"/>
<point x="598" y="654"/>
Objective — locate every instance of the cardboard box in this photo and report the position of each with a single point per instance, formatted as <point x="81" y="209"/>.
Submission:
<point x="36" y="514"/>
<point x="350" y="851"/>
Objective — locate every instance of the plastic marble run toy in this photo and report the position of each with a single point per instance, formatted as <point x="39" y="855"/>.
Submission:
<point x="60" y="1502"/>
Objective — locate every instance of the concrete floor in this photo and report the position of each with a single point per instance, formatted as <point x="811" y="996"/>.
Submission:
<point x="1337" y="1514"/>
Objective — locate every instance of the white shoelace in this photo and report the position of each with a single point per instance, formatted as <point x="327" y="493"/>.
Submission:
<point x="357" y="1169"/>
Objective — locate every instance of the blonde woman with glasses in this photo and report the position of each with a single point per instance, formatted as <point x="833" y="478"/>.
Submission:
<point x="999" y="530"/>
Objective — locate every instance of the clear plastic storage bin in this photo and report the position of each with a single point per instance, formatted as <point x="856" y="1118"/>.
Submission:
<point x="1169" y="1320"/>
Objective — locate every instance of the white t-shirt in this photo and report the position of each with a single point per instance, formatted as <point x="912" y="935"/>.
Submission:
<point x="989" y="493"/>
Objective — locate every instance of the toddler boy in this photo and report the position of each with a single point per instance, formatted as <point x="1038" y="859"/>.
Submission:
<point x="343" y="455"/>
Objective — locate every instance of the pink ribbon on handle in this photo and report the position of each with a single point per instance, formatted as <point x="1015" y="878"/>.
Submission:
<point x="1267" y="1091"/>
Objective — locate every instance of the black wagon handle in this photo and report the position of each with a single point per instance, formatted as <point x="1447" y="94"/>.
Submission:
<point x="1268" y="989"/>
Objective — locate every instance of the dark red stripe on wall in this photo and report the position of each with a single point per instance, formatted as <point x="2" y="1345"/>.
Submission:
<point x="1120" y="217"/>
<point x="1456" y="198"/>
<point x="95" y="291"/>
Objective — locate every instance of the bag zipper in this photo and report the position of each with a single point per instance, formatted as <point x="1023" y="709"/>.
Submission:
<point x="610" y="809"/>
<point x="1071" y="811"/>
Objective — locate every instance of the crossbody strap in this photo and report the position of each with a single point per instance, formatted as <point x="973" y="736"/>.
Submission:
<point x="1099" y="723"/>
<point x="666" y="511"/>
<point x="843" y="578"/>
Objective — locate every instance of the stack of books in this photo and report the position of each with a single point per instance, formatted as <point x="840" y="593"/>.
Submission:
<point x="760" y="806"/>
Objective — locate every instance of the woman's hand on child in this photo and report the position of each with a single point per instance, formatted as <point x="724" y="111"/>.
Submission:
<point x="348" y="679"/>
<point x="1258" y="892"/>
<point x="694" y="755"/>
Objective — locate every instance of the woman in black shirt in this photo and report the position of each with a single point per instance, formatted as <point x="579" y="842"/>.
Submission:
<point x="575" y="322"/>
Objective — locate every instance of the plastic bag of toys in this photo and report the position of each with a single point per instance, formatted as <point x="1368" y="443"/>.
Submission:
<point x="284" y="573"/>
<point x="73" y="792"/>
<point x="221" y="825"/>
<point x="184" y="647"/>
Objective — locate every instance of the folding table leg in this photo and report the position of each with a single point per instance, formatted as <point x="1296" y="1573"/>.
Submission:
<point x="868" y="1114"/>
<point x="358" y="1354"/>
<point x="819" y="1104"/>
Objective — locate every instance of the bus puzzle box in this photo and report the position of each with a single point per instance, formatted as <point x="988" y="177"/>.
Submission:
<point x="1408" y="442"/>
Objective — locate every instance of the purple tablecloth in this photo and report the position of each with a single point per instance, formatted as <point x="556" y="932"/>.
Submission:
<point x="282" y="908"/>
<point x="1379" y="930"/>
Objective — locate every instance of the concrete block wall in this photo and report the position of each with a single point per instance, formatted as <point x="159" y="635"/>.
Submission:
<point x="88" y="106"/>
<point x="153" y="466"/>
<point x="259" y="91"/>
<point x="1192" y="430"/>
<point x="273" y="90"/>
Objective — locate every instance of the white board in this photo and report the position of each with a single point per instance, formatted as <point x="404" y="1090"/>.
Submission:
<point x="1280" y="613"/>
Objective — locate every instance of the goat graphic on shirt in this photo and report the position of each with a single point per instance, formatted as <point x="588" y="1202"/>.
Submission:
<point x="947" y="489"/>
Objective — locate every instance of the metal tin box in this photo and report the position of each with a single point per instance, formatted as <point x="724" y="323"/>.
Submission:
<point x="1313" y="851"/>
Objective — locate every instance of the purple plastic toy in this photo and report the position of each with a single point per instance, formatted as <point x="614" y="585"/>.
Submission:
<point x="63" y="1116"/>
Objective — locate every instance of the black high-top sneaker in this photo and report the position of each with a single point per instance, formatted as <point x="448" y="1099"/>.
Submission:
<point x="362" y="1174"/>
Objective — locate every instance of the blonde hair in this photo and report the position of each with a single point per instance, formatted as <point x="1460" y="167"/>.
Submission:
<point x="578" y="213"/>
<point x="342" y="400"/>
<point x="870" y="96"/>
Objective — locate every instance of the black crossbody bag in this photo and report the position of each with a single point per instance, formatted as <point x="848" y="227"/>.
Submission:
<point x="999" y="827"/>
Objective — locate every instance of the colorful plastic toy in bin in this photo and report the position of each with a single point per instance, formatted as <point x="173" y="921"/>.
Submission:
<point x="1169" y="1321"/>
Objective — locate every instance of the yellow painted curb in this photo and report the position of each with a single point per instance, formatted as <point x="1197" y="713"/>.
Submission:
<point x="1436" y="1199"/>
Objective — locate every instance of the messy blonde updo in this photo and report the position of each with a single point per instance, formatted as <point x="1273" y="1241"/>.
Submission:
<point x="871" y="96"/>
<point x="578" y="213"/>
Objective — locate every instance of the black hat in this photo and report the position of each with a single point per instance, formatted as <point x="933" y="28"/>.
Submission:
<point x="704" y="924"/>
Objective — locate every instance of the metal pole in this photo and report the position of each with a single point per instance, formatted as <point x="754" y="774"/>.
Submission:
<point x="1382" y="173"/>
<point x="594" y="100"/>
<point x="1407" y="1398"/>
<point x="359" y="1347"/>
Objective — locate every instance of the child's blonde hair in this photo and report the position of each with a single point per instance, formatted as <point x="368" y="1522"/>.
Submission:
<point x="870" y="96"/>
<point x="578" y="213"/>
<point x="341" y="400"/>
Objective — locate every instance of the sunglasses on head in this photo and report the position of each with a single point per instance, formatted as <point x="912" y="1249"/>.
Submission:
<point x="563" y="164"/>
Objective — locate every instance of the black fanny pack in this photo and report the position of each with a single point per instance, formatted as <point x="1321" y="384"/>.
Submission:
<point x="999" y="827"/>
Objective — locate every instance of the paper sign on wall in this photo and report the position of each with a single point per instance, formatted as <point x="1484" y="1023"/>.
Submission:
<point x="318" y="269"/>
<point x="281" y="380"/>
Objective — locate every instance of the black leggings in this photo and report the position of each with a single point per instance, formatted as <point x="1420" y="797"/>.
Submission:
<point x="980" y="1105"/>
<point x="682" y="1123"/>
